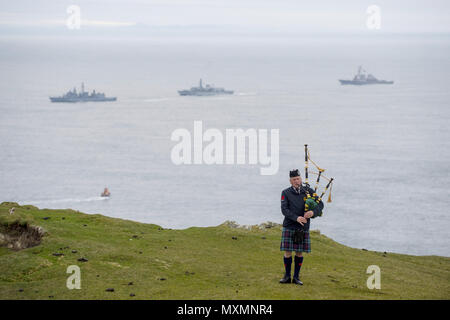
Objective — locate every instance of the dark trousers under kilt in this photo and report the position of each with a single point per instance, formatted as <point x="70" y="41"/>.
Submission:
<point x="287" y="244"/>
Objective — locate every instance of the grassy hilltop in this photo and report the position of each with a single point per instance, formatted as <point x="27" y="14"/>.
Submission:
<point x="145" y="261"/>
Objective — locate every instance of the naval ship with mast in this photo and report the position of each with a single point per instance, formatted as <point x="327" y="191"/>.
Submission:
<point x="362" y="78"/>
<point x="83" y="96"/>
<point x="207" y="90"/>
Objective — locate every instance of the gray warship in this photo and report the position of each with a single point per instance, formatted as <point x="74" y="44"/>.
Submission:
<point x="83" y="96"/>
<point x="207" y="90"/>
<point x="362" y="78"/>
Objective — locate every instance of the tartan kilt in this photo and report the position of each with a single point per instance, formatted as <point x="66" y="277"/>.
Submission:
<point x="288" y="245"/>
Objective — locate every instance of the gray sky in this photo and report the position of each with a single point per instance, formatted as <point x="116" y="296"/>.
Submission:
<point x="294" y="16"/>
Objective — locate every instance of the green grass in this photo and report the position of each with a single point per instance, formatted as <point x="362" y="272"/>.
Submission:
<point x="198" y="263"/>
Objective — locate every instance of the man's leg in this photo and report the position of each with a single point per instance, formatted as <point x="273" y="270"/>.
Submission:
<point x="287" y="266"/>
<point x="298" y="261"/>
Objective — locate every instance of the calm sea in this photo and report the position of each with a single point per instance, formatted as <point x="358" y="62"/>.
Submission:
<point x="386" y="146"/>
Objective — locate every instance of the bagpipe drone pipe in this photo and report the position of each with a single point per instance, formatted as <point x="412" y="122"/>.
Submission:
<point x="312" y="200"/>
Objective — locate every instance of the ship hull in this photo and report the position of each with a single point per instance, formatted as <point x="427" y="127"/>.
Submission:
<point x="362" y="83"/>
<point x="202" y="94"/>
<point x="68" y="100"/>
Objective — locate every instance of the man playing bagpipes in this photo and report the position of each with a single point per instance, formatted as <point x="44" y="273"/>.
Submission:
<point x="299" y="203"/>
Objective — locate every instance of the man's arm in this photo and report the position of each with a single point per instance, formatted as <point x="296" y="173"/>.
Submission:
<point x="285" y="208"/>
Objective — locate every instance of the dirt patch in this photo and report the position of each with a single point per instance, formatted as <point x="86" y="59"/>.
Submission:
<point x="17" y="236"/>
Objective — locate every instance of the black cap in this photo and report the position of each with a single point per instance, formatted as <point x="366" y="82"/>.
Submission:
<point x="294" y="173"/>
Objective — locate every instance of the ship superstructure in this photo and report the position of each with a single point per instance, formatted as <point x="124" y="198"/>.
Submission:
<point x="362" y="78"/>
<point x="207" y="90"/>
<point x="82" y="96"/>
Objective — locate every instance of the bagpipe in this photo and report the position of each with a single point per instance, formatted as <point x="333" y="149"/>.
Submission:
<point x="312" y="201"/>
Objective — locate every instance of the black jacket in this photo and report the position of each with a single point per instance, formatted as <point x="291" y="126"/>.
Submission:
<point x="293" y="206"/>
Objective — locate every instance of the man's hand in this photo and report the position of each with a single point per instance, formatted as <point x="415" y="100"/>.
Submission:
<point x="308" y="214"/>
<point x="301" y="220"/>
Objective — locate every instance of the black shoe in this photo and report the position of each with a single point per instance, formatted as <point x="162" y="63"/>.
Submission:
<point x="297" y="281"/>
<point x="286" y="279"/>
